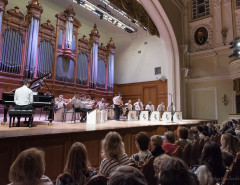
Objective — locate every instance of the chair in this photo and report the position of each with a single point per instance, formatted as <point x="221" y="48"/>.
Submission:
<point x="194" y="159"/>
<point x="97" y="180"/>
<point x="148" y="171"/>
<point x="200" y="148"/>
<point x="178" y="153"/>
<point x="187" y="154"/>
<point x="13" y="113"/>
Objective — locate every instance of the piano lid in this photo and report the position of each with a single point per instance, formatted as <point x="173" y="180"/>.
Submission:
<point x="36" y="83"/>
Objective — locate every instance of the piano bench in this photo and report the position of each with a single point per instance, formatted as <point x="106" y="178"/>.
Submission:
<point x="19" y="114"/>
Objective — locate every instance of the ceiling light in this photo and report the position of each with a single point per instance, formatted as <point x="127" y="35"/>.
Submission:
<point x="103" y="13"/>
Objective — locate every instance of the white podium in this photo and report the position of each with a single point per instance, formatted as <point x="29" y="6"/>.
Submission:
<point x="132" y="115"/>
<point x="166" y="117"/>
<point x="155" y="116"/>
<point x="92" y="118"/>
<point x="144" y="116"/>
<point x="177" y="117"/>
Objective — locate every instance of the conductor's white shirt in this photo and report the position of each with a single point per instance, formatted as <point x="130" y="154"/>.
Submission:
<point x="117" y="100"/>
<point x="23" y="96"/>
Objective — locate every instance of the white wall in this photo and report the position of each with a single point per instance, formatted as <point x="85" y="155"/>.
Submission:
<point x="133" y="67"/>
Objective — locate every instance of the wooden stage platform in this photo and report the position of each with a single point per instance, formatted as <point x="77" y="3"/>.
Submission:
<point x="56" y="140"/>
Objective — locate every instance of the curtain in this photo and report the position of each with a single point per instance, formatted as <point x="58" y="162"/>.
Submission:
<point x="60" y="38"/>
<point x="82" y="69"/>
<point x="65" y="69"/>
<point x="32" y="48"/>
<point x="110" y="72"/>
<point x="101" y="75"/>
<point x="74" y="43"/>
<point x="11" y="54"/>
<point x="94" y="66"/>
<point x="45" y="58"/>
<point x="69" y="31"/>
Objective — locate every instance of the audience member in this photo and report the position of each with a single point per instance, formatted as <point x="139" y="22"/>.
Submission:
<point x="202" y="131"/>
<point x="183" y="136"/>
<point x="29" y="168"/>
<point x="228" y="145"/>
<point x="173" y="171"/>
<point x="211" y="169"/>
<point x="142" y="141"/>
<point x="169" y="143"/>
<point x="113" y="153"/>
<point x="195" y="133"/>
<point x="127" y="175"/>
<point x="190" y="136"/>
<point x="156" y="144"/>
<point x="77" y="169"/>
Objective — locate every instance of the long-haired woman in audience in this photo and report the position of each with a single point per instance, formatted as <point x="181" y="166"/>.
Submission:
<point x="211" y="169"/>
<point x="228" y="145"/>
<point x="29" y="169"/>
<point x="113" y="153"/>
<point x="77" y="169"/>
<point x="142" y="141"/>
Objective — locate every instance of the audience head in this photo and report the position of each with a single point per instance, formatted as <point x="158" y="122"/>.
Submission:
<point x="77" y="162"/>
<point x="171" y="170"/>
<point x="169" y="137"/>
<point x="156" y="141"/>
<point x="142" y="141"/>
<point x="28" y="167"/>
<point x="112" y="146"/>
<point x="191" y="134"/>
<point x="183" y="133"/>
<point x="227" y="142"/>
<point x="212" y="158"/>
<point x="127" y="175"/>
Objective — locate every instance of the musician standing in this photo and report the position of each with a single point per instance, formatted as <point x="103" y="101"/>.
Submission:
<point x="117" y="101"/>
<point x="149" y="107"/>
<point x="161" y="107"/>
<point x="171" y="109"/>
<point x="23" y="97"/>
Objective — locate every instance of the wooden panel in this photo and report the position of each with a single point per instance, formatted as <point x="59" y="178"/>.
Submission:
<point x="155" y="91"/>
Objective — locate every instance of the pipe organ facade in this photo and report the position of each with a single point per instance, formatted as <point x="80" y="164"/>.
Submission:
<point x="29" y="49"/>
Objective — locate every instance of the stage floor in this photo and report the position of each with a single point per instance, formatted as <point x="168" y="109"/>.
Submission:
<point x="41" y="126"/>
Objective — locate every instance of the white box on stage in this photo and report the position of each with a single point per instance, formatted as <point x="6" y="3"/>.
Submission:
<point x="144" y="116"/>
<point x="103" y="115"/>
<point x="155" y="116"/>
<point x="132" y="115"/>
<point x="177" y="117"/>
<point x="167" y="117"/>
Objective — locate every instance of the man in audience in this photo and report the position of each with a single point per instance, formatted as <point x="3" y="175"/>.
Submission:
<point x="183" y="135"/>
<point x="169" y="143"/>
<point x="127" y="175"/>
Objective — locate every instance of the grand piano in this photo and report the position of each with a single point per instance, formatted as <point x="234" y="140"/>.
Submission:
<point x="39" y="99"/>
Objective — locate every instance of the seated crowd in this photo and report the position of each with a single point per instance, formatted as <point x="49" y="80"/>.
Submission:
<point x="215" y="159"/>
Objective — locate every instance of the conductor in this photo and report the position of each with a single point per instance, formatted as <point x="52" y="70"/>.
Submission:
<point x="117" y="101"/>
